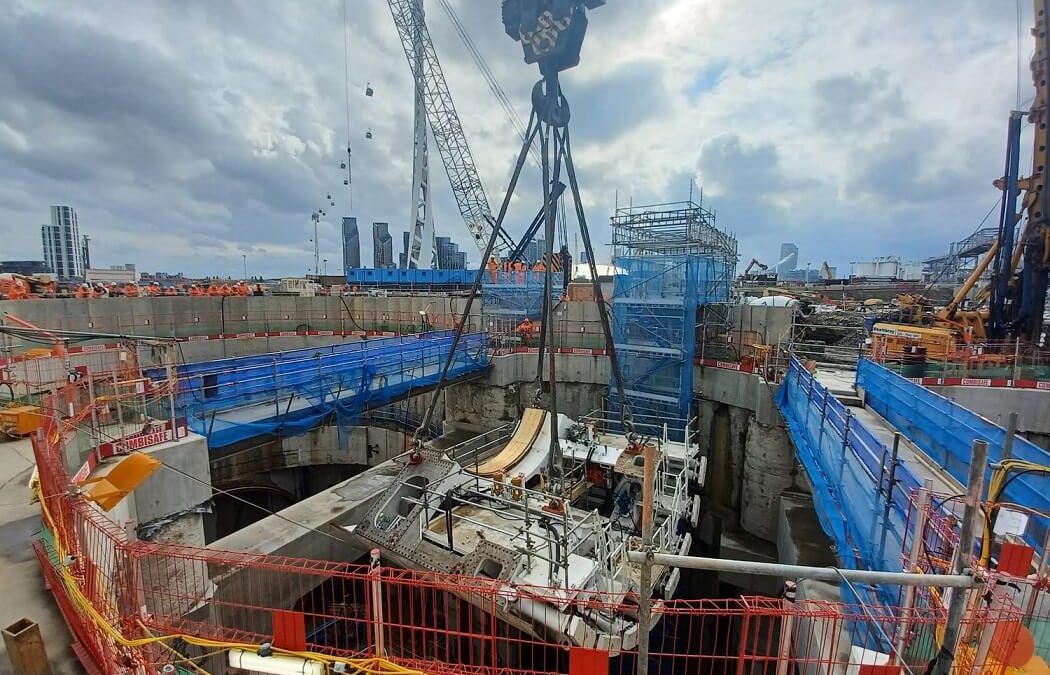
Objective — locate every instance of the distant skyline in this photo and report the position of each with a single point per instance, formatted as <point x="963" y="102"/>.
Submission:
<point x="186" y="135"/>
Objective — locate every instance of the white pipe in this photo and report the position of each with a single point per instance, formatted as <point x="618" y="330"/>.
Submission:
<point x="804" y="572"/>
<point x="274" y="665"/>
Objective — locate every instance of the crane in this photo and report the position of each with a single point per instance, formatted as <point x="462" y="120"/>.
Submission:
<point x="434" y="105"/>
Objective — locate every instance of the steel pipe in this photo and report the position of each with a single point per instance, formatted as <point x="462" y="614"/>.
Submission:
<point x="805" y="572"/>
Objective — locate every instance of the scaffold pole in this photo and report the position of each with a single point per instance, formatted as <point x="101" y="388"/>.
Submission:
<point x="645" y="577"/>
<point x="806" y="572"/>
<point x="957" y="605"/>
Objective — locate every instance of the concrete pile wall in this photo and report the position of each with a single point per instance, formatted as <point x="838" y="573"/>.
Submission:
<point x="751" y="460"/>
<point x="511" y="387"/>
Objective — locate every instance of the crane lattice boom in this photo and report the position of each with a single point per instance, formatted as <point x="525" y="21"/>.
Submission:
<point x="444" y="120"/>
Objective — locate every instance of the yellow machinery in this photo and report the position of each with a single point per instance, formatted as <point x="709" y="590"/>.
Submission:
<point x="892" y="340"/>
<point x="952" y="327"/>
<point x="18" y="420"/>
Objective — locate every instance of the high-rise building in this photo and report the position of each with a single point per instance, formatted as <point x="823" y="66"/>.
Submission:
<point x="535" y="250"/>
<point x="402" y="258"/>
<point x="449" y="257"/>
<point x="64" y="250"/>
<point x="86" y="253"/>
<point x="351" y="244"/>
<point x="788" y="258"/>
<point x="382" y="246"/>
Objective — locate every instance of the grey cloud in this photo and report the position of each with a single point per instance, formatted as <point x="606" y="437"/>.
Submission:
<point x="617" y="103"/>
<point x="733" y="166"/>
<point x="99" y="78"/>
<point x="144" y="116"/>
<point x="893" y="170"/>
<point x="856" y="101"/>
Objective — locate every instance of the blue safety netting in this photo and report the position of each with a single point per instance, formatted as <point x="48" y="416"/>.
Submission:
<point x="516" y="295"/>
<point x="654" y="329"/>
<point x="290" y="393"/>
<point x="945" y="432"/>
<point x="848" y="468"/>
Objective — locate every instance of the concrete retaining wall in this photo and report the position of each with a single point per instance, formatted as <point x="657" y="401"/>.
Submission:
<point x="996" y="404"/>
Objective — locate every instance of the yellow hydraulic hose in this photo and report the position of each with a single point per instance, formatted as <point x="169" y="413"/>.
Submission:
<point x="1000" y="477"/>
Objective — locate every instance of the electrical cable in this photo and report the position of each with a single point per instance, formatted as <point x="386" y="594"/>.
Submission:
<point x="350" y="314"/>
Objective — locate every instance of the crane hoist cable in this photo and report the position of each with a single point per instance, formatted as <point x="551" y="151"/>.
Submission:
<point x="489" y="76"/>
<point x="549" y="122"/>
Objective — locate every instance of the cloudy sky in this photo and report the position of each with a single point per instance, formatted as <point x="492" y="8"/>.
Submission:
<point x="187" y="133"/>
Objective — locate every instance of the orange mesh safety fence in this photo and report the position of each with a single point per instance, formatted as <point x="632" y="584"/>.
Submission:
<point x="120" y="595"/>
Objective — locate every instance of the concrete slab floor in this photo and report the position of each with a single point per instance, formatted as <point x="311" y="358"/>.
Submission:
<point x="24" y="595"/>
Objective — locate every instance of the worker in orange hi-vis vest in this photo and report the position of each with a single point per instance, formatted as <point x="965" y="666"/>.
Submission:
<point x="493" y="268"/>
<point x="171" y="290"/>
<point x="526" y="329"/>
<point x="131" y="290"/>
<point x="538" y="270"/>
<point x="152" y="289"/>
<point x="83" y="291"/>
<point x="14" y="288"/>
<point x="214" y="290"/>
<point x="195" y="291"/>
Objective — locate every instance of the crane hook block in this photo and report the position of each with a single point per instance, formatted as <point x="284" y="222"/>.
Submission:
<point x="550" y="31"/>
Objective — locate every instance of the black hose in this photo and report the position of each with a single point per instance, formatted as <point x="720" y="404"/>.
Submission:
<point x="350" y="314"/>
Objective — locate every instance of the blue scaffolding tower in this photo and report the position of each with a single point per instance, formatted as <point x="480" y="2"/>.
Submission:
<point x="673" y="261"/>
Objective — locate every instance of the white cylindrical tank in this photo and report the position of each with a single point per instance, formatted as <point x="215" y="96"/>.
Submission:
<point x="886" y="267"/>
<point x="864" y="269"/>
